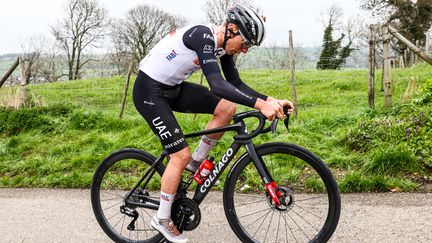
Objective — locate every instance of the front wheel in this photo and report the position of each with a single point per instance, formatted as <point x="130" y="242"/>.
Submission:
<point x="309" y="196"/>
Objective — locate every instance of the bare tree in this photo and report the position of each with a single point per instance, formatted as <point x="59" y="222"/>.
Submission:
<point x="275" y="56"/>
<point x="32" y="51"/>
<point x="53" y="65"/>
<point x="141" y="29"/>
<point x="332" y="16"/>
<point x="119" y="58"/>
<point x="42" y="60"/>
<point x="216" y="9"/>
<point x="82" y="28"/>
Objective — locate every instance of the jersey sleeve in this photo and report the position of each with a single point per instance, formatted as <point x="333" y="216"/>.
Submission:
<point x="200" y="39"/>
<point x="231" y="73"/>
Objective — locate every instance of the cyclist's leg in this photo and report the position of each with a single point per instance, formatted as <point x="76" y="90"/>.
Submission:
<point x="194" y="98"/>
<point x="152" y="101"/>
<point x="222" y="116"/>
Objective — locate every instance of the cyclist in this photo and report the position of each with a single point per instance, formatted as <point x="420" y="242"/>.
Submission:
<point x="160" y="89"/>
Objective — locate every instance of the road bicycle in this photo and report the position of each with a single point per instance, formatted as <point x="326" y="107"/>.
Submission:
<point x="274" y="192"/>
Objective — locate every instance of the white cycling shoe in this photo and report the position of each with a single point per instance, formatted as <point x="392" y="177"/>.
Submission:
<point x="167" y="228"/>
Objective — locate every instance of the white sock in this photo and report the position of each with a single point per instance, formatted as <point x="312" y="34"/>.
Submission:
<point x="166" y="201"/>
<point x="203" y="148"/>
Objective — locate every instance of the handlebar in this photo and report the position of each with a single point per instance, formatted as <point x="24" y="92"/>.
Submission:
<point x="262" y="119"/>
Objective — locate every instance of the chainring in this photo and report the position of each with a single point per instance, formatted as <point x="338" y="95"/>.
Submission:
<point x="185" y="214"/>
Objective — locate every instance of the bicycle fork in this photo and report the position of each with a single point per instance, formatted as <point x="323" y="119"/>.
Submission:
<point x="270" y="184"/>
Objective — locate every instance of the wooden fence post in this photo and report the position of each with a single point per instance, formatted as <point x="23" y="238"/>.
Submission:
<point x="292" y="66"/>
<point x="417" y="44"/>
<point x="126" y="87"/>
<point x="372" y="63"/>
<point x="201" y="82"/>
<point x="387" y="67"/>
<point x="427" y="46"/>
<point x="401" y="62"/>
<point x="10" y="71"/>
<point x="24" y="97"/>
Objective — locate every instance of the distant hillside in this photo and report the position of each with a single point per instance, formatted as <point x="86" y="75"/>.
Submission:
<point x="256" y="58"/>
<point x="306" y="58"/>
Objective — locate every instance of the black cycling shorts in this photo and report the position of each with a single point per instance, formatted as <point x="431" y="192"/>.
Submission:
<point x="156" y="102"/>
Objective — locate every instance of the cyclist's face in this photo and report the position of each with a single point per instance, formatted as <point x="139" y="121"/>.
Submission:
<point x="236" y="44"/>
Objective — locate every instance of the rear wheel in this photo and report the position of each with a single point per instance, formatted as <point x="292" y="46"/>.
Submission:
<point x="310" y="200"/>
<point x="127" y="220"/>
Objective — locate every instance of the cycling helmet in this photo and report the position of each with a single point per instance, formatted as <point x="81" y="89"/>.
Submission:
<point x="250" y="24"/>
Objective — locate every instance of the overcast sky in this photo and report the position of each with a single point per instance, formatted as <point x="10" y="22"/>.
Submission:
<point x="22" y="19"/>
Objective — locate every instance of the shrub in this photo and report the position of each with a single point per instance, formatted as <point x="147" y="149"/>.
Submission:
<point x="358" y="182"/>
<point x="25" y="119"/>
<point x="391" y="160"/>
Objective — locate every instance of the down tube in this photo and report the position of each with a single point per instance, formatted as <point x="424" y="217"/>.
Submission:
<point x="203" y="189"/>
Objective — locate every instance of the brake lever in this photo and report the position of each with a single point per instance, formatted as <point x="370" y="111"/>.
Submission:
<point x="274" y="125"/>
<point x="286" y="122"/>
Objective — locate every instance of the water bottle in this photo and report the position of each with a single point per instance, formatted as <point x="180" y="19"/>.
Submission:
<point x="204" y="170"/>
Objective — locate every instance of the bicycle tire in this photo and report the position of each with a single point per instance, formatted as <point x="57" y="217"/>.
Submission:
<point x="114" y="179"/>
<point x="305" y="186"/>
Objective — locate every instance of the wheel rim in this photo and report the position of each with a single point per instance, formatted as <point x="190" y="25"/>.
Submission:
<point x="307" y="201"/>
<point x="118" y="180"/>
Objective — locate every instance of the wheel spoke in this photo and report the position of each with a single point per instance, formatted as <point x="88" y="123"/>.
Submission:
<point x="300" y="216"/>
<point x="117" y="213"/>
<point x="118" y="221"/>
<point x="277" y="231"/>
<point x="262" y="222"/>
<point x="255" y="220"/>
<point x="267" y="209"/>
<point x="113" y="194"/>
<point x="112" y="205"/>
<point x="307" y="199"/>
<point x="308" y="211"/>
<point x="270" y="221"/>
<point x="121" y="230"/>
<point x="249" y="195"/>
<point x="301" y="229"/>
<point x="249" y="203"/>
<point x="286" y="224"/>
<point x="109" y="199"/>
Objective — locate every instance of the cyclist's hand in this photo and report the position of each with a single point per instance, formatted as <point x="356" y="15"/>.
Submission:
<point x="270" y="109"/>
<point x="289" y="104"/>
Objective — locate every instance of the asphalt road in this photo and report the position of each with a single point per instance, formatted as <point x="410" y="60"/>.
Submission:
<point x="50" y="215"/>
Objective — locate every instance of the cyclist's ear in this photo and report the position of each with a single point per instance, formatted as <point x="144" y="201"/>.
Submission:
<point x="232" y="27"/>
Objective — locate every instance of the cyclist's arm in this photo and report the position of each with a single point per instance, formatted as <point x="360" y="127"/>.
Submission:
<point x="200" y="39"/>
<point x="232" y="75"/>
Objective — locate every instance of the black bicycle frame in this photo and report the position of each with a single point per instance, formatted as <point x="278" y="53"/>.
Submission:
<point x="243" y="138"/>
<point x="202" y="190"/>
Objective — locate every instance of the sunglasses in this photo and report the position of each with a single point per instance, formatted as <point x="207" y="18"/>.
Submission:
<point x="245" y="43"/>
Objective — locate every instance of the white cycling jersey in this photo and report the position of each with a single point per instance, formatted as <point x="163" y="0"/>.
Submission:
<point x="171" y="62"/>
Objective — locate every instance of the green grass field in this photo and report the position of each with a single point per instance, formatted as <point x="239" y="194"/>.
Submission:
<point x="60" y="141"/>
